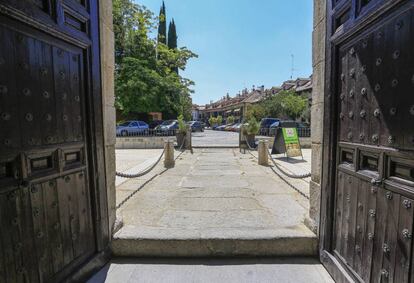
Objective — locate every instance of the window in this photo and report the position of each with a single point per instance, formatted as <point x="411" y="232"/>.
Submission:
<point x="133" y="124"/>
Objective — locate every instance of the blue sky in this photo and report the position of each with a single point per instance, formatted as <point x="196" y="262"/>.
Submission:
<point x="241" y="43"/>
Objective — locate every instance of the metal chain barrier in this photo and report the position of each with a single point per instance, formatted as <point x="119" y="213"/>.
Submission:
<point x="140" y="174"/>
<point x="143" y="173"/>
<point x="286" y="181"/>
<point x="248" y="145"/>
<point x="290" y="175"/>
<point x="285" y="173"/>
<point x="138" y="189"/>
<point x="291" y="185"/>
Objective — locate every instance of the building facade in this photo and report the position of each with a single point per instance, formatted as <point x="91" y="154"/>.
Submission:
<point x="238" y="105"/>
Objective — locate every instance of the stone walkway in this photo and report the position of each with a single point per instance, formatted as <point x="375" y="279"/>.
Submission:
<point x="288" y="270"/>
<point x="210" y="138"/>
<point x="132" y="161"/>
<point x="215" y="202"/>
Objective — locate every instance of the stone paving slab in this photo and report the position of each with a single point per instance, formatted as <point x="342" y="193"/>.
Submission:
<point x="215" y="139"/>
<point x="258" y="270"/>
<point x="213" y="198"/>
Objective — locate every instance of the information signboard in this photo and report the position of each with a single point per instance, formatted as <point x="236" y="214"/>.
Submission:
<point x="287" y="141"/>
<point x="292" y="145"/>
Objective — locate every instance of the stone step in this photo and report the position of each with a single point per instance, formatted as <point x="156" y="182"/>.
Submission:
<point x="132" y="241"/>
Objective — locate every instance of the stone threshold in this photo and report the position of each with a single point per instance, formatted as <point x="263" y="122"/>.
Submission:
<point x="131" y="241"/>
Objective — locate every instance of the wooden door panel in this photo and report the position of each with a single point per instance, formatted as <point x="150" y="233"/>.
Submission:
<point x="374" y="185"/>
<point x="43" y="154"/>
<point x="404" y="241"/>
<point x="49" y="94"/>
<point x="9" y="110"/>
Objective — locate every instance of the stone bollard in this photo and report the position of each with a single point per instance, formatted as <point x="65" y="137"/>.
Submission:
<point x="262" y="150"/>
<point x="169" y="161"/>
<point x="188" y="145"/>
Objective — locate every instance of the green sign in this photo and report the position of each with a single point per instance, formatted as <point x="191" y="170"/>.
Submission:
<point x="290" y="135"/>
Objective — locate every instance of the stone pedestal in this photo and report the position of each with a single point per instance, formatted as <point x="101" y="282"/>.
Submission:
<point x="263" y="152"/>
<point x="169" y="161"/>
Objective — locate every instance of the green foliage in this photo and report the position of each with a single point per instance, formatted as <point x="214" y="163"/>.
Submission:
<point x="253" y="126"/>
<point x="212" y="120"/>
<point x="162" y="25"/>
<point x="145" y="77"/>
<point x="285" y="104"/>
<point x="230" y="120"/>
<point x="257" y="111"/>
<point x="172" y="35"/>
<point x="294" y="105"/>
<point x="182" y="127"/>
<point x="172" y="39"/>
<point x="219" y="119"/>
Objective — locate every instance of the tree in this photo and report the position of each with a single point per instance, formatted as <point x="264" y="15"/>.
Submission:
<point x="212" y="120"/>
<point x="257" y="111"/>
<point x="144" y="81"/>
<point x="172" y="39"/>
<point x="285" y="104"/>
<point x="219" y="120"/>
<point x="230" y="120"/>
<point x="172" y="35"/>
<point x="294" y="105"/>
<point x="162" y="26"/>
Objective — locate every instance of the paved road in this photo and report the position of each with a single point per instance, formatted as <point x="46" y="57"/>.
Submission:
<point x="211" y="138"/>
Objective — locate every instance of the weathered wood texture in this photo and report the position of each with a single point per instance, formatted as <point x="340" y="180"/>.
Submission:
<point x="368" y="154"/>
<point x="53" y="209"/>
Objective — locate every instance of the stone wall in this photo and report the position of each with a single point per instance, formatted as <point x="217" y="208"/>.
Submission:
<point x="108" y="100"/>
<point x="142" y="142"/>
<point x="318" y="63"/>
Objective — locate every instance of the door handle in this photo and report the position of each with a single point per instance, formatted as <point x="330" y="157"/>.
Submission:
<point x="377" y="182"/>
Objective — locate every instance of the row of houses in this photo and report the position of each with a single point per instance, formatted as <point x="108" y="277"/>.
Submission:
<point x="237" y="106"/>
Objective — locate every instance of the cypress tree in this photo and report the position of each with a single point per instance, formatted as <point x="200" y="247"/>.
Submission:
<point x="172" y="35"/>
<point x="162" y="26"/>
<point x="172" y="39"/>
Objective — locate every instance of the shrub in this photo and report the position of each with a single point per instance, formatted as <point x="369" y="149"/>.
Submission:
<point x="212" y="120"/>
<point x="219" y="120"/>
<point x="182" y="127"/>
<point x="252" y="127"/>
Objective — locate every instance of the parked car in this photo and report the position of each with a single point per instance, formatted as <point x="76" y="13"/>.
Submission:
<point x="228" y="127"/>
<point x="196" y="126"/>
<point x="131" y="128"/>
<point x="265" y="123"/>
<point x="236" y="127"/>
<point x="221" y="128"/>
<point x="166" y="126"/>
<point x="155" y="123"/>
<point x="274" y="125"/>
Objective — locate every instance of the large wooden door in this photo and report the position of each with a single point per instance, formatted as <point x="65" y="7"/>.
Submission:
<point x="369" y="142"/>
<point x="47" y="144"/>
